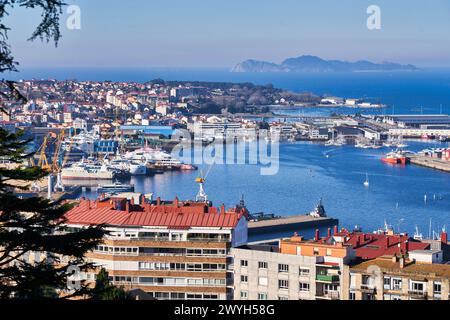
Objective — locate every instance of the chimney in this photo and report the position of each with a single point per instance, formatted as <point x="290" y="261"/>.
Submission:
<point x="394" y="258"/>
<point x="176" y="202"/>
<point x="158" y="201"/>
<point x="132" y="201"/>
<point x="402" y="262"/>
<point x="386" y="242"/>
<point x="444" y="237"/>
<point x="336" y="231"/>
<point x="127" y="206"/>
<point x="317" y="235"/>
<point x="222" y="209"/>
<point x="329" y="233"/>
<point x="142" y="199"/>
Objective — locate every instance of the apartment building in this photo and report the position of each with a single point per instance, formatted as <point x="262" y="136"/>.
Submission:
<point x="170" y="250"/>
<point x="397" y="278"/>
<point x="321" y="268"/>
<point x="261" y="272"/>
<point x="294" y="269"/>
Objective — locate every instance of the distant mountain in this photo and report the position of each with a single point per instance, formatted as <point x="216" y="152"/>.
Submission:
<point x="315" y="64"/>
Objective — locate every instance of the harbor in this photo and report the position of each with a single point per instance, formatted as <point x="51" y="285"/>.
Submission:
<point x="432" y="163"/>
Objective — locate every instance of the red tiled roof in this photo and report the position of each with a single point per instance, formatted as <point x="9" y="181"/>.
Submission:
<point x="181" y="216"/>
<point x="371" y="246"/>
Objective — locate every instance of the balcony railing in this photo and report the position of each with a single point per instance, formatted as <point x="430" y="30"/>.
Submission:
<point x="369" y="288"/>
<point x="327" y="278"/>
<point x="331" y="295"/>
<point x="417" y="293"/>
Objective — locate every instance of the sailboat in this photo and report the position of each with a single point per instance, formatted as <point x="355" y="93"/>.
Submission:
<point x="366" y="183"/>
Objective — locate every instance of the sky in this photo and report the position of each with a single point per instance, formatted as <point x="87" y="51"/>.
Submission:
<point x="219" y="34"/>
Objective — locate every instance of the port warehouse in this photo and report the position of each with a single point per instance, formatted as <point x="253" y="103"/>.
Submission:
<point x="417" y="121"/>
<point x="191" y="250"/>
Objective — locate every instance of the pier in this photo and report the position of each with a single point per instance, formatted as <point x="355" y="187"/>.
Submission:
<point x="289" y="224"/>
<point x="428" y="162"/>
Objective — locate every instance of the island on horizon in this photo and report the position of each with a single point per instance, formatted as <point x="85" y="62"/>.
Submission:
<point x="309" y="63"/>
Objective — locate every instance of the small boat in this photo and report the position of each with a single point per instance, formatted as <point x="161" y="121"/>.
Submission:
<point x="115" y="187"/>
<point x="188" y="167"/>
<point x="366" y="183"/>
<point x="418" y="235"/>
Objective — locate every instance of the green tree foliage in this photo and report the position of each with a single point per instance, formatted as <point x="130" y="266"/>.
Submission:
<point x="34" y="226"/>
<point x="104" y="290"/>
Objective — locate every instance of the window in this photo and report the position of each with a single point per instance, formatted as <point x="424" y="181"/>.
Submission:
<point x="262" y="265"/>
<point x="262" y="296"/>
<point x="352" y="296"/>
<point x="283" y="298"/>
<point x="244" y="295"/>
<point x="244" y="263"/>
<point x="303" y="271"/>
<point x="244" y="279"/>
<point x="387" y="283"/>
<point x="177" y="296"/>
<point x="396" y="284"/>
<point x="437" y="288"/>
<point x="283" y="268"/>
<point x="329" y="252"/>
<point x="304" y="287"/>
<point x="262" y="281"/>
<point x="417" y="286"/>
<point x="283" y="284"/>
<point x="316" y="251"/>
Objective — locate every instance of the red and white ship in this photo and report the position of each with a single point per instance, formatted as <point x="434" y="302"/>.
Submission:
<point x="395" y="157"/>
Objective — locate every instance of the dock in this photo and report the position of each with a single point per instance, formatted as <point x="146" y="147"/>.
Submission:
<point x="433" y="163"/>
<point x="289" y="224"/>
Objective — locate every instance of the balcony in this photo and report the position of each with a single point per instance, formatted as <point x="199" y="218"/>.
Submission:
<point x="328" y="295"/>
<point x="327" y="278"/>
<point x="367" y="288"/>
<point x="417" y="294"/>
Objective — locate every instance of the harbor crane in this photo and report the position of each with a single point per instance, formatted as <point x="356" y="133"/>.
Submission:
<point x="201" y="195"/>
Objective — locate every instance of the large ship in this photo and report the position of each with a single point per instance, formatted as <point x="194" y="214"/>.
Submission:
<point x="88" y="171"/>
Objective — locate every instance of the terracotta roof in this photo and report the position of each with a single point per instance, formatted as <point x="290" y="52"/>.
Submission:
<point x="371" y="246"/>
<point x="387" y="265"/>
<point x="176" y="216"/>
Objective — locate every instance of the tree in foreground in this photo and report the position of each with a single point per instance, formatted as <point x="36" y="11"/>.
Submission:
<point x="104" y="290"/>
<point x="32" y="238"/>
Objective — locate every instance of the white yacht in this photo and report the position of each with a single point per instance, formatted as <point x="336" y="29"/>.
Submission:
<point x="127" y="165"/>
<point x="88" y="171"/>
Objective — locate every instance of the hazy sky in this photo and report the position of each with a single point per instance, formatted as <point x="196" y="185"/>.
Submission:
<point x="210" y="33"/>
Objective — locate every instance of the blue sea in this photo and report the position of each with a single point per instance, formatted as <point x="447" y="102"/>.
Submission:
<point x="396" y="194"/>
